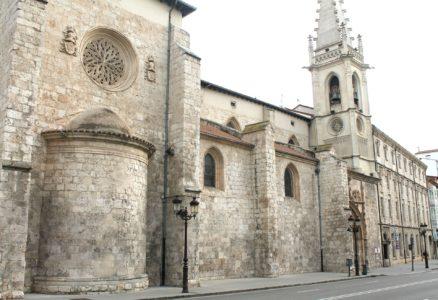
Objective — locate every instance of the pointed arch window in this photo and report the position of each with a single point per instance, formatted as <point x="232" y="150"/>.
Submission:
<point x="291" y="182"/>
<point x="334" y="90"/>
<point x="213" y="169"/>
<point x="233" y="123"/>
<point x="209" y="171"/>
<point x="288" y="183"/>
<point x="356" y="90"/>
<point x="293" y="141"/>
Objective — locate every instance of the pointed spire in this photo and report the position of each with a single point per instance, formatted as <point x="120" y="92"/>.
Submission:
<point x="331" y="17"/>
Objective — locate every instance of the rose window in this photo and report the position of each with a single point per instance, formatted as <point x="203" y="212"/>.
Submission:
<point x="103" y="62"/>
<point x="109" y="59"/>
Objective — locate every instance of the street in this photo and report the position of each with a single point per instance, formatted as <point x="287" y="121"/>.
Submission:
<point x="409" y="286"/>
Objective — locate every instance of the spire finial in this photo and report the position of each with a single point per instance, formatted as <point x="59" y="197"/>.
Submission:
<point x="331" y="18"/>
<point x="360" y="44"/>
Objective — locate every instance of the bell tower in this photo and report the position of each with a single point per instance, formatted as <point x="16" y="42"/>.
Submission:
<point x="342" y="113"/>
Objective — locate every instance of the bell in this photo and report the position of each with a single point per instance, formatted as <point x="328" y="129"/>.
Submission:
<point x="335" y="97"/>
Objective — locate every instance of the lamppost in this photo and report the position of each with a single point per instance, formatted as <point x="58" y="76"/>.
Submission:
<point x="423" y="233"/>
<point x="354" y="228"/>
<point x="185" y="215"/>
<point x="412" y="248"/>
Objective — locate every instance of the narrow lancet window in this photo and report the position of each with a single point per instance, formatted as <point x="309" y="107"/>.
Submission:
<point x="356" y="90"/>
<point x="288" y="183"/>
<point x="209" y="171"/>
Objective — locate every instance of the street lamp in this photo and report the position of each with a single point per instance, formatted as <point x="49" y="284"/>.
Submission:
<point x="354" y="228"/>
<point x="185" y="215"/>
<point x="423" y="232"/>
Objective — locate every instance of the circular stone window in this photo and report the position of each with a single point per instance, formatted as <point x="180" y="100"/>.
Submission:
<point x="336" y="125"/>
<point x="109" y="59"/>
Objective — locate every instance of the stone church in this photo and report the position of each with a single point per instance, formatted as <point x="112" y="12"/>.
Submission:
<point x="104" y="120"/>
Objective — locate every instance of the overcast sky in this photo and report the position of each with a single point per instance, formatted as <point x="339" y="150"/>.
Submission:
<point x="259" y="48"/>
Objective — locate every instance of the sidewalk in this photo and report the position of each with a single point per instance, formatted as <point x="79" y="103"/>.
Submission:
<point x="214" y="287"/>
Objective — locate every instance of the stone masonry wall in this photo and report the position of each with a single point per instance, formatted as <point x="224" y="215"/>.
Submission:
<point x="93" y="225"/>
<point x="184" y="166"/>
<point x="227" y="217"/>
<point x="20" y="41"/>
<point x="267" y="204"/>
<point x="48" y="88"/>
<point x="298" y="219"/>
<point x="336" y="240"/>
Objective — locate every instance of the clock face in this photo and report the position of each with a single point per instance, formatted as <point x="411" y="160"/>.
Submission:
<point x="336" y="125"/>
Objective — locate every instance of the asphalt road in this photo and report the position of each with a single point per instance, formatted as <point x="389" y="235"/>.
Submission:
<point x="415" y="286"/>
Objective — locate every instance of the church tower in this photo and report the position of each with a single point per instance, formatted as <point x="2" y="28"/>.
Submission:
<point x="342" y="113"/>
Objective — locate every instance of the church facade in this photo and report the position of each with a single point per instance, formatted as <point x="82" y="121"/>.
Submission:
<point x="105" y="120"/>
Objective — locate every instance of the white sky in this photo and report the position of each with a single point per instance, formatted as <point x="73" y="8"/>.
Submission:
<point x="259" y="48"/>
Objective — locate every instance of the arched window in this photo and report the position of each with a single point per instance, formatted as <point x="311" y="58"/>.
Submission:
<point x="213" y="169"/>
<point x="209" y="171"/>
<point x="293" y="141"/>
<point x="233" y="123"/>
<point x="356" y="90"/>
<point x="291" y="182"/>
<point x="334" y="90"/>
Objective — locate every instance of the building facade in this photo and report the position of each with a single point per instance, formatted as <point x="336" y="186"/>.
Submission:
<point x="105" y="119"/>
<point x="430" y="158"/>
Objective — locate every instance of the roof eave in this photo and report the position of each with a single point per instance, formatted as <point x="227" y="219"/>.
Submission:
<point x="212" y="86"/>
<point x="185" y="8"/>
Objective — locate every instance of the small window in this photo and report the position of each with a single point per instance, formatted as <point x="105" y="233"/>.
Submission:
<point x="291" y="182"/>
<point x="385" y="151"/>
<point x="233" y="123"/>
<point x="209" y="171"/>
<point x="293" y="141"/>
<point x="378" y="148"/>
<point x="288" y="183"/>
<point x="213" y="169"/>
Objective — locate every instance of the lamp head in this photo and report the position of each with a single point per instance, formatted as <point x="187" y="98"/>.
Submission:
<point x="194" y="206"/>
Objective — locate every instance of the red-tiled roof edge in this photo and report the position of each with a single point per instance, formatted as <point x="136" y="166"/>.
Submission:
<point x="302" y="153"/>
<point x="212" y="130"/>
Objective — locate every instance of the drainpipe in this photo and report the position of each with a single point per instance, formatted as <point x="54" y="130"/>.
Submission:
<point x="317" y="171"/>
<point x="378" y="201"/>
<point x="166" y="147"/>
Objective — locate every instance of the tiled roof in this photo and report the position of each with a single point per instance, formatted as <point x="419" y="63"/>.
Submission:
<point x="216" y="131"/>
<point x="292" y="150"/>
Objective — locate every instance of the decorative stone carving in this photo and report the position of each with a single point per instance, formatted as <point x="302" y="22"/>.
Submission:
<point x="69" y="43"/>
<point x="103" y="62"/>
<point x="109" y="59"/>
<point x="356" y="196"/>
<point x="150" y="72"/>
<point x="336" y="125"/>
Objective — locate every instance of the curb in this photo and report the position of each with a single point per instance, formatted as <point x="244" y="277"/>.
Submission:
<point x="196" y="295"/>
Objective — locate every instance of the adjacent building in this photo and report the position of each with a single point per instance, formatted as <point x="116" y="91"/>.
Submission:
<point x="105" y="120"/>
<point x="430" y="158"/>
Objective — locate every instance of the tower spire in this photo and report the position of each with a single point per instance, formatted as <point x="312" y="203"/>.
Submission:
<point x="331" y="21"/>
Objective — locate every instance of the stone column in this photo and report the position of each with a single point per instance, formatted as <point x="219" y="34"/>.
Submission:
<point x="267" y="233"/>
<point x="337" y="242"/>
<point x="20" y="57"/>
<point x="184" y="162"/>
